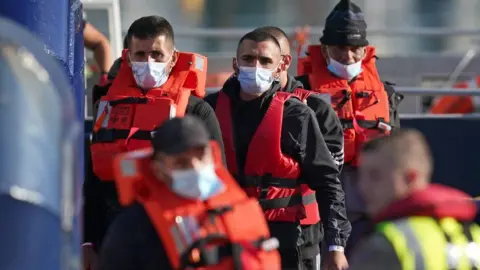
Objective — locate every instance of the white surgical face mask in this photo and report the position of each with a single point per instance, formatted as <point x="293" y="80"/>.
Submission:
<point x="150" y="75"/>
<point x="347" y="72"/>
<point x="255" y="80"/>
<point x="196" y="183"/>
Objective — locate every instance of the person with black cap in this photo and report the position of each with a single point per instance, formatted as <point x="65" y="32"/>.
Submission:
<point x="343" y="65"/>
<point x="188" y="208"/>
<point x="276" y="151"/>
<point x="155" y="82"/>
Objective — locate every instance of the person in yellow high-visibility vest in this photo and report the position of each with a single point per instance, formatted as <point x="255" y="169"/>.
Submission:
<point x="417" y="225"/>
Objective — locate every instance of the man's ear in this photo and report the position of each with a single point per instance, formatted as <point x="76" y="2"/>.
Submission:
<point x="235" y="66"/>
<point x="174" y="60"/>
<point x="129" y="60"/>
<point x="159" y="171"/>
<point x="287" y="61"/>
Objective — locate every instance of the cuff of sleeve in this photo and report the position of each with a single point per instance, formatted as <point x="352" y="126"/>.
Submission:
<point x="87" y="244"/>
<point x="336" y="248"/>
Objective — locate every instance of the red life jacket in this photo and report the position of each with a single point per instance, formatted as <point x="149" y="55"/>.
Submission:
<point x="127" y="116"/>
<point x="269" y="175"/>
<point x="361" y="105"/>
<point x="209" y="234"/>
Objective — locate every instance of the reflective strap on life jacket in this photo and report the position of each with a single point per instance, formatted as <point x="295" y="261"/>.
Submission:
<point x="257" y="181"/>
<point x="269" y="204"/>
<point x="366" y="124"/>
<point x="103" y="115"/>
<point x="268" y="181"/>
<point x="425" y="243"/>
<point x="202" y="253"/>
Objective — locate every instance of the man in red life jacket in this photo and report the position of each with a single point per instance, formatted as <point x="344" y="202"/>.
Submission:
<point x="154" y="82"/>
<point x="418" y="225"/>
<point x="344" y="66"/>
<point x="190" y="211"/>
<point x="277" y="153"/>
<point x="327" y="119"/>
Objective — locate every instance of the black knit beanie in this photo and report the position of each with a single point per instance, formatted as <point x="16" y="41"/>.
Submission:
<point x="345" y="26"/>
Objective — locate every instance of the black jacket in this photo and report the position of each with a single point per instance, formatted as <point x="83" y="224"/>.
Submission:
<point x="303" y="141"/>
<point x="100" y="198"/>
<point x="133" y="243"/>
<point x="327" y="119"/>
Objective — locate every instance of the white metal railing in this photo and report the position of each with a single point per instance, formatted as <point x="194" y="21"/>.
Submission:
<point x="318" y="31"/>
<point x="417" y="91"/>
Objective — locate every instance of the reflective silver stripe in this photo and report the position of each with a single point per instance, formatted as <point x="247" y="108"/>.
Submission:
<point x="412" y="242"/>
<point x="472" y="250"/>
<point x="104" y="106"/>
<point x="180" y="246"/>
<point x="173" y="111"/>
<point x="128" y="167"/>
<point x="199" y="63"/>
<point x="183" y="230"/>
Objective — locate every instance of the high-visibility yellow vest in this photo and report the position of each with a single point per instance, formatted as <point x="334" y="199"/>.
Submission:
<point x="424" y="243"/>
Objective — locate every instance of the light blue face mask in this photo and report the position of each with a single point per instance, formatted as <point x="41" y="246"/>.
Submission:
<point x="347" y="72"/>
<point x="196" y="184"/>
<point x="255" y="80"/>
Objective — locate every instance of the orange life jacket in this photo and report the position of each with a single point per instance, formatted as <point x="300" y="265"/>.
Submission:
<point x="209" y="234"/>
<point x="361" y="105"/>
<point x="302" y="36"/>
<point x="269" y="175"/>
<point x="127" y="116"/>
<point x="458" y="104"/>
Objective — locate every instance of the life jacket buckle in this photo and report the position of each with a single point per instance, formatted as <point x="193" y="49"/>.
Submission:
<point x="269" y="244"/>
<point x="384" y="126"/>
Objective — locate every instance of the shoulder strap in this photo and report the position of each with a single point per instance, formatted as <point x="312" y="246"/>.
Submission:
<point x="302" y="94"/>
<point x="190" y="72"/>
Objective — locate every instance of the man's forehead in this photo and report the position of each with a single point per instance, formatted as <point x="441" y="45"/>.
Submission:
<point x="250" y="47"/>
<point x="160" y="42"/>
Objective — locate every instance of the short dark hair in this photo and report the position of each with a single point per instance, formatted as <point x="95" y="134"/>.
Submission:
<point x="150" y="27"/>
<point x="259" y="36"/>
<point x="125" y="42"/>
<point x="273" y="30"/>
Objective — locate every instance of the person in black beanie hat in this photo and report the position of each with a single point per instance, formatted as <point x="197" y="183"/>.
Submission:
<point x="343" y="65"/>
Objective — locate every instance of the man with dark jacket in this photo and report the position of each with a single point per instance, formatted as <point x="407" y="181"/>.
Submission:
<point x="151" y="39"/>
<point x="252" y="96"/>
<point x="184" y="166"/>
<point x="328" y="120"/>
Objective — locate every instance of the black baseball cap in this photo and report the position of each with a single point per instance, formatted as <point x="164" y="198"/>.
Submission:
<point x="178" y="135"/>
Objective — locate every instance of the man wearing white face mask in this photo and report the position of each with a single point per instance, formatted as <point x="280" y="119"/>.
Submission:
<point x="332" y="132"/>
<point x="154" y="83"/>
<point x="188" y="209"/>
<point x="343" y="66"/>
<point x="276" y="151"/>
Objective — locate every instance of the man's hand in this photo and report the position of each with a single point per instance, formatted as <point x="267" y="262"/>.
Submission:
<point x="336" y="260"/>
<point x="90" y="258"/>
<point x="103" y="79"/>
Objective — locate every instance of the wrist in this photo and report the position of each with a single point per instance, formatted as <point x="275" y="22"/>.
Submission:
<point x="87" y="244"/>
<point x="336" y="248"/>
